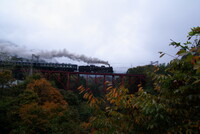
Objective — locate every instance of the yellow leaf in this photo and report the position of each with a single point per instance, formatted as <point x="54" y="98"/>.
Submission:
<point x="110" y="87"/>
<point x="140" y="89"/>
<point x="93" y="100"/>
<point x="116" y="94"/>
<point x="90" y="97"/>
<point x="107" y="108"/>
<point x="112" y="101"/>
<point x="85" y="95"/>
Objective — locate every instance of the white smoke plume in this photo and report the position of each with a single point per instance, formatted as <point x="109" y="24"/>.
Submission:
<point x="75" y="57"/>
<point x="12" y="49"/>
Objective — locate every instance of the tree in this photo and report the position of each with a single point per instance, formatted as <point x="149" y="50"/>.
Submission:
<point x="46" y="92"/>
<point x="6" y="78"/>
<point x="174" y="108"/>
<point x="39" y="105"/>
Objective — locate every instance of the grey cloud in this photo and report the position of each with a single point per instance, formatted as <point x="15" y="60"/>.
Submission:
<point x="120" y="31"/>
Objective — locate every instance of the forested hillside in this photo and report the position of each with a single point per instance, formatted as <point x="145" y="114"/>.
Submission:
<point x="166" y="101"/>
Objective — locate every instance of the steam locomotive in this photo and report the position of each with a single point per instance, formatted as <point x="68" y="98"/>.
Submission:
<point x="57" y="66"/>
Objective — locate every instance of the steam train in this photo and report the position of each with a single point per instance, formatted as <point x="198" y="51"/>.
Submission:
<point x="57" y="66"/>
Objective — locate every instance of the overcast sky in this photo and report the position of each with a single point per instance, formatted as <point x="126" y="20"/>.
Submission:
<point x="123" y="32"/>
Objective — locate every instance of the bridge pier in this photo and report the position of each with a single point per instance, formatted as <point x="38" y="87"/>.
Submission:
<point x="97" y="78"/>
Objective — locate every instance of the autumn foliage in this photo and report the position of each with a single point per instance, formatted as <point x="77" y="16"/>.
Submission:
<point x="36" y="107"/>
<point x="172" y="107"/>
<point x="166" y="101"/>
<point x="46" y="92"/>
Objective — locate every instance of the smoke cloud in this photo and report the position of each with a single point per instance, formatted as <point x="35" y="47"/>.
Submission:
<point x="12" y="49"/>
<point x="75" y="57"/>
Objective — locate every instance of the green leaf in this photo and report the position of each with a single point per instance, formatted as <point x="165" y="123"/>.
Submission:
<point x="196" y="67"/>
<point x="191" y="33"/>
<point x="198" y="70"/>
<point x="182" y="52"/>
<point x="188" y="42"/>
<point x="197" y="81"/>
